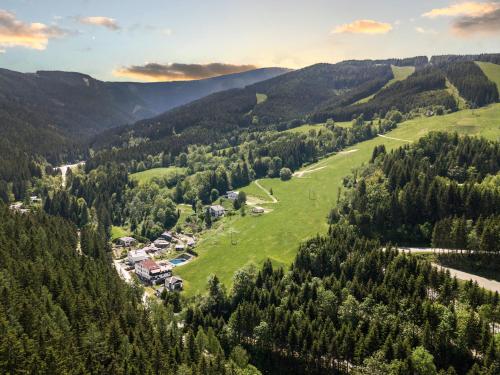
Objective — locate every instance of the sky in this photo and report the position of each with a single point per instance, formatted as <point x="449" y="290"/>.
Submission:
<point x="163" y="40"/>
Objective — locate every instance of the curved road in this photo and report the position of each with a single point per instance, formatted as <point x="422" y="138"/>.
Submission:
<point x="273" y="199"/>
<point x="492" y="285"/>
<point x="483" y="282"/>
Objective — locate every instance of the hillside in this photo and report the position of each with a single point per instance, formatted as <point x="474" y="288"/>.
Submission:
<point x="49" y="114"/>
<point x="78" y="104"/>
<point x="315" y="94"/>
<point x="274" y="234"/>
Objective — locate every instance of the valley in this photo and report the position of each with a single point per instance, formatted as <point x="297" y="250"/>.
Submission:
<point x="264" y="222"/>
<point x="275" y="235"/>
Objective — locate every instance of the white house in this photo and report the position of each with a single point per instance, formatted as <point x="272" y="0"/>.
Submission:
<point x="126" y="241"/>
<point x="135" y="256"/>
<point x="179" y="247"/>
<point x="150" y="272"/>
<point x="232" y="195"/>
<point x="173" y="283"/>
<point x="216" y="210"/>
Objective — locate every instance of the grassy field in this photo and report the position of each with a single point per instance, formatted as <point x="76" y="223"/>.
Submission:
<point x="400" y="73"/>
<point x="261" y="98"/>
<point x="304" y="203"/>
<point x="117" y="232"/>
<point x="147" y="176"/>
<point x="492" y="71"/>
<point x="305" y="128"/>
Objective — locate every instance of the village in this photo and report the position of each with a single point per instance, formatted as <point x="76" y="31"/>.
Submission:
<point x="152" y="263"/>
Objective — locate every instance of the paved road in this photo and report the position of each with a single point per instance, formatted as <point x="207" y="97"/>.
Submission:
<point x="413" y="250"/>
<point x="481" y="281"/>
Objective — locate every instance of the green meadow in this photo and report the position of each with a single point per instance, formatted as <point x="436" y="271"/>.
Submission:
<point x="148" y="175"/>
<point x="304" y="203"/>
<point x="400" y="73"/>
<point x="492" y="71"/>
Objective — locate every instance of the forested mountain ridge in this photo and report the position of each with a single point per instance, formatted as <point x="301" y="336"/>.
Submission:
<point x="312" y="94"/>
<point x="78" y="104"/>
<point x="48" y="115"/>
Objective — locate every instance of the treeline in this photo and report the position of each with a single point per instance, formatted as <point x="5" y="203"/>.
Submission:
<point x="486" y="57"/>
<point x="424" y="88"/>
<point x="408" y="61"/>
<point x="346" y="306"/>
<point x="401" y="196"/>
<point x="472" y="83"/>
<point x="66" y="313"/>
<point x="462" y="234"/>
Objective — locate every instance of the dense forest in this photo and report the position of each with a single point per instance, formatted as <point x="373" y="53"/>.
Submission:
<point x="486" y="57"/>
<point x="443" y="189"/>
<point x="424" y="88"/>
<point x="345" y="305"/>
<point x="472" y="83"/>
<point x="63" y="312"/>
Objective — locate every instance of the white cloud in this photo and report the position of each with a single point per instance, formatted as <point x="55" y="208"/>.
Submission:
<point x="363" y="27"/>
<point x="107" y="22"/>
<point x="15" y="33"/>
<point x="421" y="30"/>
<point x="471" y="9"/>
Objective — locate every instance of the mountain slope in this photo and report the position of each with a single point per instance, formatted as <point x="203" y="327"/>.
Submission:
<point x="78" y="104"/>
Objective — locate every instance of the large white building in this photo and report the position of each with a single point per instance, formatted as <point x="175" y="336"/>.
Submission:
<point x="135" y="256"/>
<point x="150" y="272"/>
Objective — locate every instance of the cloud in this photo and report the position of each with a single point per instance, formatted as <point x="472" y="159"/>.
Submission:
<point x="421" y="30"/>
<point x="363" y="27"/>
<point x="15" y="33"/>
<point x="469" y="9"/>
<point x="486" y="23"/>
<point x="107" y="22"/>
<point x="178" y="71"/>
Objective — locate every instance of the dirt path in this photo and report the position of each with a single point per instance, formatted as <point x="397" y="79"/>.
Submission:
<point x="273" y="199"/>
<point x="316" y="167"/>
<point x="483" y="282"/>
<point x="300" y="174"/>
<point x="64" y="169"/>
<point x="395" y="139"/>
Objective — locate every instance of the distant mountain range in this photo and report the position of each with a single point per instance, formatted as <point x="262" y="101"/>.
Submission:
<point x="76" y="103"/>
<point x="53" y="114"/>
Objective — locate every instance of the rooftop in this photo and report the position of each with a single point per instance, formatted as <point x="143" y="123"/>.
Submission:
<point x="149" y="264"/>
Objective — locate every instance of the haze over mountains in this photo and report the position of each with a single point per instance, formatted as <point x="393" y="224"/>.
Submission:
<point x="78" y="103"/>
